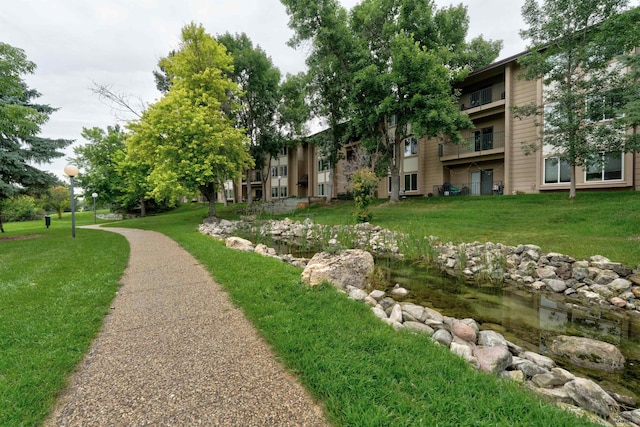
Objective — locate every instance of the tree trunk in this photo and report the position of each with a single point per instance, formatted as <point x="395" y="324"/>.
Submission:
<point x="572" y="184"/>
<point x="1" y="226"/>
<point x="330" y="185"/>
<point x="249" y="195"/>
<point x="209" y="193"/>
<point x="143" y="208"/>
<point x="395" y="175"/>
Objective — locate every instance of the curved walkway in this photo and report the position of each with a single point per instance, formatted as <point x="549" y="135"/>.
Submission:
<point x="175" y="351"/>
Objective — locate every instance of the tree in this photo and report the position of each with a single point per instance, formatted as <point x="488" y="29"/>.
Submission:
<point x="59" y="199"/>
<point x="20" y="124"/>
<point x="388" y="70"/>
<point x="576" y="49"/>
<point x="99" y="160"/>
<point x="187" y="138"/>
<point x="258" y="80"/>
<point x="324" y="24"/>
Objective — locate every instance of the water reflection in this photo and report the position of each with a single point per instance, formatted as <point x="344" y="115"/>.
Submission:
<point x="525" y="318"/>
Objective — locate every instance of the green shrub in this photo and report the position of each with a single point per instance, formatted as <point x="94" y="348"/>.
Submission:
<point x="19" y="208"/>
<point x="364" y="183"/>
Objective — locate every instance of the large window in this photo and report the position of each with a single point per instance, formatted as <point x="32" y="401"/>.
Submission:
<point x="283" y="171"/>
<point x="410" y="146"/>
<point x="605" y="106"/>
<point x="321" y="190"/>
<point x="604" y="167"/>
<point x="284" y="191"/>
<point x="274" y="192"/>
<point x="411" y="182"/>
<point x="556" y="171"/>
<point x="274" y="171"/>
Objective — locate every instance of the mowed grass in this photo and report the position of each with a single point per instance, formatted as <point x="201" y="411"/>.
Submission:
<point x="597" y="223"/>
<point x="54" y="293"/>
<point x="362" y="371"/>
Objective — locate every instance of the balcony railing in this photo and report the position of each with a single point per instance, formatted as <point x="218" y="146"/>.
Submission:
<point x="470" y="189"/>
<point x="254" y="177"/>
<point x="476" y="145"/>
<point x="482" y="97"/>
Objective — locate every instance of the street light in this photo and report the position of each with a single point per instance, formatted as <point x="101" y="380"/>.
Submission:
<point x="72" y="171"/>
<point x="94" y="195"/>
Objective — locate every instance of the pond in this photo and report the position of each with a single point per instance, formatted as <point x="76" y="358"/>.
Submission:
<point x="528" y="319"/>
<point x="525" y="318"/>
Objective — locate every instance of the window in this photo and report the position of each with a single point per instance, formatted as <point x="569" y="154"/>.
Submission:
<point x="274" y="171"/>
<point x="259" y="176"/>
<point x="411" y="182"/>
<point x="283" y="151"/>
<point x="483" y="139"/>
<point x="604" y="167"/>
<point x="323" y="165"/>
<point x="283" y="191"/>
<point x="556" y="171"/>
<point x="283" y="171"/>
<point x="392" y="120"/>
<point x="605" y="106"/>
<point x="389" y="186"/>
<point x="274" y="192"/>
<point x="321" y="190"/>
<point x="410" y="147"/>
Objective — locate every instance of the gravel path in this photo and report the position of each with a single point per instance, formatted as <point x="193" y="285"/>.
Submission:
<point x="175" y="351"/>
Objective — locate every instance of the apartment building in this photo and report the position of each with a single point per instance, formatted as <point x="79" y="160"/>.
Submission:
<point x="492" y="161"/>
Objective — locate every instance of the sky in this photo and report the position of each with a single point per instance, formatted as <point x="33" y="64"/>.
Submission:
<point x="117" y="43"/>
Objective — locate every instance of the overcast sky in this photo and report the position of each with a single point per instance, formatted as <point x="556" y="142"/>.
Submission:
<point x="118" y="43"/>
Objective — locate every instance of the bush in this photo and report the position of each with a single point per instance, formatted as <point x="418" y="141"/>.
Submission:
<point x="364" y="183"/>
<point x="20" y="208"/>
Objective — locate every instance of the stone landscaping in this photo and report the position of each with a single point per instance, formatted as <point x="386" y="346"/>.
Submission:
<point x="596" y="281"/>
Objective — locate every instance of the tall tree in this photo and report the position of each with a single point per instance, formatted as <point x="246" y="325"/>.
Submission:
<point x="21" y="120"/>
<point x="258" y="80"/>
<point x="98" y="160"/>
<point x="323" y="25"/>
<point x="388" y="69"/>
<point x="576" y="47"/>
<point x="187" y="138"/>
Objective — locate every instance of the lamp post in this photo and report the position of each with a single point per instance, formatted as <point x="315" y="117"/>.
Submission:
<point x="94" y="195"/>
<point x="72" y="172"/>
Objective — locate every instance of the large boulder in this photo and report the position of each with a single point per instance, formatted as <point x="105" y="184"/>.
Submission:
<point x="591" y="396"/>
<point x="239" y="244"/>
<point x="352" y="267"/>
<point x="588" y="353"/>
<point x="493" y="359"/>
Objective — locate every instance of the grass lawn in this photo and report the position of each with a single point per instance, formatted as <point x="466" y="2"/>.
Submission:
<point x="54" y="293"/>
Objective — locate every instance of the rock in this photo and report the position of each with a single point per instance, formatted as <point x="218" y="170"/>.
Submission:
<point x="492" y="359"/>
<point x="635" y="279"/>
<point x="379" y="312"/>
<point x="633" y="416"/>
<point x="546" y="272"/>
<point x="555" y="394"/>
<point x="588" y="353"/>
<point x="463" y="331"/>
<point x="555" y="285"/>
<point x="602" y="290"/>
<point x="239" y="244"/>
<point x="351" y="267"/>
<point x="377" y="295"/>
<point x="471" y="323"/>
<point x="370" y="301"/>
<point x="620" y="285"/>
<point x="538" y="359"/>
<point x="396" y="314"/>
<point x="395" y="325"/>
<point x="591" y="396"/>
<point x="412" y="312"/>
<point x="556" y="377"/>
<point x="433" y="314"/>
<point x="605" y="277"/>
<point x="491" y="339"/>
<point x="516" y="375"/>
<point x="357" y="294"/>
<point x="463" y="350"/>
<point x="400" y="292"/>
<point x="528" y="368"/>
<point x="418" y="327"/>
<point x="626" y="401"/>
<point x="514" y="348"/>
<point x="618" y="302"/>
<point x="443" y="337"/>
<point x="387" y="303"/>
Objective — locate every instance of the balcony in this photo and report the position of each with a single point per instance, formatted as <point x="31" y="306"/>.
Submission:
<point x="255" y="178"/>
<point x="478" y="144"/>
<point x="487" y="188"/>
<point x="482" y="97"/>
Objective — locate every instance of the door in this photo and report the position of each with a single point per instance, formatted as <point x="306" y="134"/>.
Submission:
<point x="486" y="179"/>
<point x="475" y="183"/>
